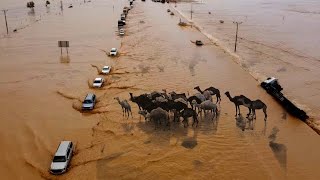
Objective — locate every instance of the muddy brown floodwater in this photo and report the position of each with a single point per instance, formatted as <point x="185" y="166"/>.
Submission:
<point x="41" y="95"/>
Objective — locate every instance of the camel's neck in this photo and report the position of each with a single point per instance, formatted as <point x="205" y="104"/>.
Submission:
<point x="230" y="98"/>
<point x="199" y="90"/>
<point x="119" y="101"/>
<point x="132" y="98"/>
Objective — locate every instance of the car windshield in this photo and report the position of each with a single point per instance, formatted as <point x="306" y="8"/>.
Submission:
<point x="59" y="159"/>
<point x="87" y="101"/>
<point x="106" y="68"/>
<point x="97" y="81"/>
<point x="113" y="50"/>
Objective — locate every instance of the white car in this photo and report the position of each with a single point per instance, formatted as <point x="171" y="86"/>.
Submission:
<point x="62" y="158"/>
<point x="98" y="82"/>
<point x="106" y="70"/>
<point x="113" y="52"/>
<point x="121" y="32"/>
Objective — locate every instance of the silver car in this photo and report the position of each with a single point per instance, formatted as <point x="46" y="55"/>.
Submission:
<point x="62" y="158"/>
<point x="89" y="102"/>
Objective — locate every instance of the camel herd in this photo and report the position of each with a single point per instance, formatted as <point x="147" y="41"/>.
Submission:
<point x="157" y="106"/>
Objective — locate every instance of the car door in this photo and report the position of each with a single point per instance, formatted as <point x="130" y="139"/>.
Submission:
<point x="69" y="154"/>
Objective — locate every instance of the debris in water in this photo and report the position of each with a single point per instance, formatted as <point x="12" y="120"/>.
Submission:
<point x="221" y="21"/>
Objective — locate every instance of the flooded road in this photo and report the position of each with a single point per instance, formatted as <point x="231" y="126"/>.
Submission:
<point x="41" y="94"/>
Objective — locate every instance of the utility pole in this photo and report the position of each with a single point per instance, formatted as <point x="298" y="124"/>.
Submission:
<point x="61" y="5"/>
<point x="235" y="44"/>
<point x="5" y="17"/>
<point x="191" y="11"/>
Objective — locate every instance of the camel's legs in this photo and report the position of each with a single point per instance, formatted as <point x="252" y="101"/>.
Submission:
<point x="265" y="113"/>
<point x="236" y="109"/>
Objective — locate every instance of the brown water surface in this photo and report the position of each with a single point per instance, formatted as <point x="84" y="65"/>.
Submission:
<point x="41" y="95"/>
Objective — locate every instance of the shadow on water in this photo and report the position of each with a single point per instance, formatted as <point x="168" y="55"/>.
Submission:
<point x="279" y="150"/>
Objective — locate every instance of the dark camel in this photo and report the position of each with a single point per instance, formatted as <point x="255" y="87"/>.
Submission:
<point x="240" y="100"/>
<point x="213" y="91"/>
<point x="258" y="104"/>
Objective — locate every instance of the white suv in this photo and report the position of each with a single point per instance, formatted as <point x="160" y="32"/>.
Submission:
<point x="106" y="69"/>
<point x="62" y="158"/>
<point x="98" y="82"/>
<point x="113" y="52"/>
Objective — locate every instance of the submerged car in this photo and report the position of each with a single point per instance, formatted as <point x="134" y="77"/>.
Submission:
<point x="89" y="102"/>
<point x="121" y="32"/>
<point x="113" y="52"/>
<point x="62" y="158"/>
<point x="199" y="43"/>
<point x="98" y="82"/>
<point x="106" y="70"/>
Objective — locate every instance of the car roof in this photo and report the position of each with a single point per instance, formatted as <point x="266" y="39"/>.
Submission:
<point x="62" y="149"/>
<point x="98" y="79"/>
<point x="270" y="79"/>
<point x="106" y="67"/>
<point x="113" y="48"/>
<point x="89" y="96"/>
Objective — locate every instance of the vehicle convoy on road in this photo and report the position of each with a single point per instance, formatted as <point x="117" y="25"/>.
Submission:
<point x="62" y="158"/>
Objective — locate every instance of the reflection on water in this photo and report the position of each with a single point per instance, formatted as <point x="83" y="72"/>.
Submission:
<point x="279" y="150"/>
<point x="65" y="59"/>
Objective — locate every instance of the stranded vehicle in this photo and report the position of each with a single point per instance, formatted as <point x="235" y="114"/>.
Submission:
<point x="62" y="158"/>
<point x="113" y="52"/>
<point x="89" y="102"/>
<point x="273" y="88"/>
<point x="98" y="82"/>
<point x="106" y="70"/>
<point x="121" y="32"/>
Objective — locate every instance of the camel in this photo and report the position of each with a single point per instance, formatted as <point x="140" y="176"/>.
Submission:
<point x="174" y="95"/>
<point x="213" y="91"/>
<point x="157" y="115"/>
<point x="142" y="100"/>
<point x="188" y="112"/>
<point x="258" y="104"/>
<point x="193" y="100"/>
<point x="208" y="105"/>
<point x="126" y="108"/>
<point x="240" y="100"/>
<point x="206" y="93"/>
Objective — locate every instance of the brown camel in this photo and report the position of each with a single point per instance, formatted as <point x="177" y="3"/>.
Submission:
<point x="240" y="100"/>
<point x="213" y="91"/>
